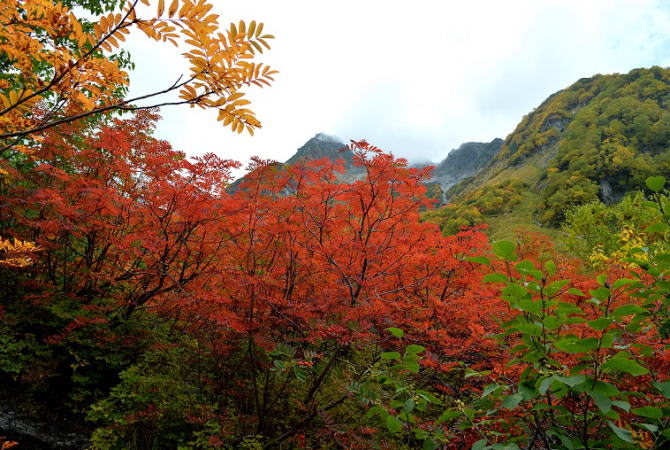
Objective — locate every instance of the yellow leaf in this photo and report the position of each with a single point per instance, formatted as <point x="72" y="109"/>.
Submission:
<point x="161" y="7"/>
<point x="173" y="8"/>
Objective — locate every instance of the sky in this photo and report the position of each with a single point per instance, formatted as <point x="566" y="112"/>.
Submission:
<point x="415" y="78"/>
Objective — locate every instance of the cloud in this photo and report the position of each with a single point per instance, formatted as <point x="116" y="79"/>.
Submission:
<point x="417" y="79"/>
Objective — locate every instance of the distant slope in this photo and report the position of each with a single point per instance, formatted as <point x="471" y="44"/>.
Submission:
<point x="320" y="146"/>
<point x="465" y="161"/>
<point x="597" y="139"/>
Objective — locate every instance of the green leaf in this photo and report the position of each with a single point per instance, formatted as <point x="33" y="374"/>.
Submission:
<point x="429" y="397"/>
<point x="397" y="332"/>
<point x="623" y="282"/>
<point x="524" y="266"/>
<point x="449" y="414"/>
<point x="622" y="433"/>
<point x="555" y="287"/>
<point x="478" y="260"/>
<point x="655" y="184"/>
<point x="376" y="411"/>
<point x="550" y="267"/>
<point x="552" y="322"/>
<point x="409" y="405"/>
<point x="515" y="290"/>
<point x="412" y="366"/>
<point x="572" y="381"/>
<point x="648" y="426"/>
<point x="601" y="293"/>
<point x="393" y="424"/>
<point x="490" y="389"/>
<point x="621" y="363"/>
<point x="568" y="308"/>
<point x="575" y="291"/>
<point x="480" y="444"/>
<point x="390" y="355"/>
<point x="664" y="388"/>
<point x="600" y="324"/>
<point x="504" y="250"/>
<point x="495" y="278"/>
<point x="603" y="402"/>
<point x="414" y="349"/>
<point x="529" y="305"/>
<point x="545" y="385"/>
<point x="512" y="401"/>
<point x="621" y="404"/>
<point x="530" y="329"/>
<point x="576" y="345"/>
<point x="650" y="412"/>
<point x="628" y="310"/>
<point x="658" y="227"/>
<point x="429" y="444"/>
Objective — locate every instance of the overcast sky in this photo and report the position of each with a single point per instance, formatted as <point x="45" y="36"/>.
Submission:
<point x="414" y="78"/>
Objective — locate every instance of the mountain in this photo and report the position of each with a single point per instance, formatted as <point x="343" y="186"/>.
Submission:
<point x="595" y="140"/>
<point x="320" y="146"/>
<point x="465" y="161"/>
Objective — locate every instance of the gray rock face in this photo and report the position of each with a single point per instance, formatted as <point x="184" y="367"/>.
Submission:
<point x="465" y="161"/>
<point x="32" y="433"/>
<point x="324" y="146"/>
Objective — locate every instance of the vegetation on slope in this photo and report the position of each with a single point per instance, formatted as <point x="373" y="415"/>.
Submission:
<point x="598" y="139"/>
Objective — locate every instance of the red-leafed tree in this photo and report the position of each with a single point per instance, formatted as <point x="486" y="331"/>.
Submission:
<point x="320" y="268"/>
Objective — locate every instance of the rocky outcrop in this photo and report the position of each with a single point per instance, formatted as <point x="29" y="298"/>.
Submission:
<point x="465" y="161"/>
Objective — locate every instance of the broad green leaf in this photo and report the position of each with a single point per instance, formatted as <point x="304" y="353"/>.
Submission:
<point x="621" y="362"/>
<point x="429" y="444"/>
<point x="429" y="397"/>
<point x="576" y="345"/>
<point x="480" y="444"/>
<point x="552" y="322"/>
<point x="530" y="329"/>
<point x="397" y="332"/>
<point x="393" y="424"/>
<point x="412" y="366"/>
<point x="664" y="388"/>
<point x="572" y="381"/>
<point x="495" y="278"/>
<point x="478" y="260"/>
<point x="504" y="250"/>
<point x="655" y="184"/>
<point x="545" y="385"/>
<point x="515" y="290"/>
<point x="512" y="401"/>
<point x="550" y="267"/>
<point x="376" y="411"/>
<point x="600" y="324"/>
<point x="603" y="402"/>
<point x="601" y="293"/>
<point x="622" y="433"/>
<point x="621" y="404"/>
<point x="555" y="287"/>
<point x="623" y="282"/>
<point x="568" y="308"/>
<point x="449" y="414"/>
<point x="414" y="349"/>
<point x="627" y="310"/>
<point x="490" y="389"/>
<point x="651" y="412"/>
<point x="575" y="291"/>
<point x="528" y="305"/>
<point x="390" y="355"/>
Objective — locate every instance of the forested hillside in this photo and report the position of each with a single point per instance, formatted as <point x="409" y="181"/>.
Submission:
<point x="146" y="302"/>
<point x="596" y="140"/>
